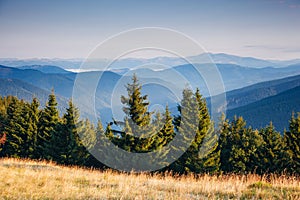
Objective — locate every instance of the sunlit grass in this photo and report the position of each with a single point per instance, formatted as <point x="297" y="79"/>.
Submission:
<point x="26" y="179"/>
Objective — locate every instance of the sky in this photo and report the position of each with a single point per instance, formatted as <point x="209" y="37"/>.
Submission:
<point x="268" y="29"/>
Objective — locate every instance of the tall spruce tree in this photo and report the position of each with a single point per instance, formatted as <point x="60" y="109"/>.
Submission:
<point x="136" y="108"/>
<point x="16" y="134"/>
<point x="271" y="151"/>
<point x="30" y="116"/>
<point x="187" y="126"/>
<point x="65" y="144"/>
<point x="47" y="126"/>
<point x="292" y="145"/>
<point x="137" y="119"/>
<point x="138" y="133"/>
<point x="208" y="152"/>
<point x="194" y="125"/>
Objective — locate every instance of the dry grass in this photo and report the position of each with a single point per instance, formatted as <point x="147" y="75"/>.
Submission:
<point x="25" y="179"/>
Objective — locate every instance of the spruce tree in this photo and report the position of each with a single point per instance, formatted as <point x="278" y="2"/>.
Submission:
<point x="165" y="130"/>
<point x="271" y="151"/>
<point x="194" y="125"/>
<point x="65" y="145"/>
<point x="30" y="119"/>
<point x="292" y="145"/>
<point x="34" y="113"/>
<point x="16" y="134"/>
<point x="55" y="148"/>
<point x="138" y="133"/>
<point x="96" y="154"/>
<point x="137" y="120"/>
<point x="47" y="126"/>
<point x="239" y="147"/>
<point x="187" y="126"/>
<point x="165" y="133"/>
<point x="208" y="152"/>
<point x="87" y="133"/>
<point x="224" y="145"/>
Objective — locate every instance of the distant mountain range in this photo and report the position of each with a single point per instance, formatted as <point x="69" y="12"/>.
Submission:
<point x="100" y="64"/>
<point x="247" y="88"/>
<point x="48" y="69"/>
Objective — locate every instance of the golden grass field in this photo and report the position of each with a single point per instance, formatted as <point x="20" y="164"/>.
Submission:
<point x="26" y="179"/>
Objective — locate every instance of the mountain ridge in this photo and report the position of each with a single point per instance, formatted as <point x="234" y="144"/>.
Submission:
<point x="277" y="108"/>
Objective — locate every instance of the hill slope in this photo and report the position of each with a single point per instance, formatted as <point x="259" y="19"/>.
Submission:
<point x="256" y="92"/>
<point x="25" y="179"/>
<point x="277" y="109"/>
<point x="26" y="91"/>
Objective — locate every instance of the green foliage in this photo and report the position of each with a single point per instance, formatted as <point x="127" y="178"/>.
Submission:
<point x="136" y="106"/>
<point x="239" y="146"/>
<point x="31" y="116"/>
<point x="15" y="131"/>
<point x="166" y="130"/>
<point x="292" y="145"/>
<point x="194" y="124"/>
<point x="137" y="130"/>
<point x="65" y="145"/>
<point x="48" y="124"/>
<point x="271" y="151"/>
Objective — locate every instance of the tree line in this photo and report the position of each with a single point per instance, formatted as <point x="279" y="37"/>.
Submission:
<point x="28" y="131"/>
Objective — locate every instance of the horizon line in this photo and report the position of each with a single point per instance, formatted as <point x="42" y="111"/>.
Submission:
<point x="140" y="57"/>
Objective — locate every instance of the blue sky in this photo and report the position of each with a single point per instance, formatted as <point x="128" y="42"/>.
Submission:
<point x="267" y="29"/>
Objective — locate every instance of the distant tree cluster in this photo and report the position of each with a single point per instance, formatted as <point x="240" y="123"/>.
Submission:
<point x="27" y="131"/>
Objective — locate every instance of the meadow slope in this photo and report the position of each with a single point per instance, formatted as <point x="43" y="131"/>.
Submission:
<point x="26" y="179"/>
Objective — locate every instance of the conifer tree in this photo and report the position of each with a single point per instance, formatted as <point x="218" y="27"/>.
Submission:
<point x="194" y="120"/>
<point x="87" y="133"/>
<point x="102" y="149"/>
<point x="16" y="134"/>
<point x="137" y="119"/>
<point x="224" y="145"/>
<point x="47" y="126"/>
<point x="30" y="119"/>
<point x="292" y="144"/>
<point x="138" y="133"/>
<point x="96" y="150"/>
<point x="271" y="151"/>
<point x="34" y="113"/>
<point x="165" y="129"/>
<point x="65" y="145"/>
<point x="208" y="152"/>
<point x="187" y="126"/>
<point x="239" y="147"/>
<point x="165" y="133"/>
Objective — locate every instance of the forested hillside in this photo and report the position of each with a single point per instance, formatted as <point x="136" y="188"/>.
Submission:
<point x="29" y="131"/>
<point x="277" y="108"/>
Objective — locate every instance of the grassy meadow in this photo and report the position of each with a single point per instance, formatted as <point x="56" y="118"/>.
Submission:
<point x="27" y="179"/>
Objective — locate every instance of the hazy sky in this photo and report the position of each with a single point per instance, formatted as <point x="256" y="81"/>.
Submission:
<point x="71" y="29"/>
